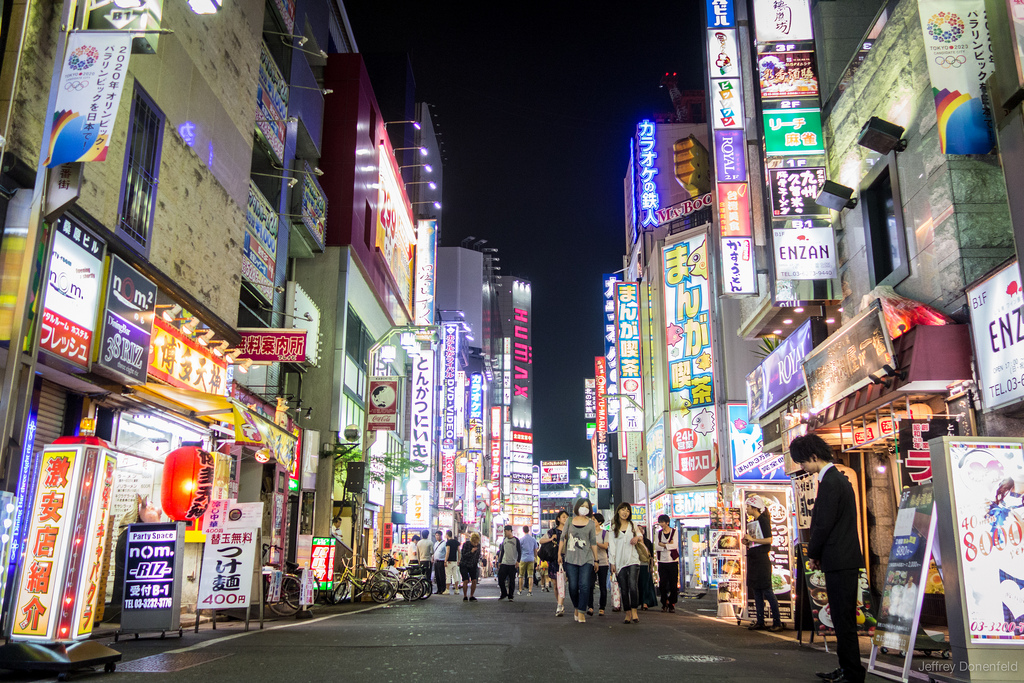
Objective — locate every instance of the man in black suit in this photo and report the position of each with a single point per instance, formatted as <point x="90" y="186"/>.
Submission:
<point x="835" y="549"/>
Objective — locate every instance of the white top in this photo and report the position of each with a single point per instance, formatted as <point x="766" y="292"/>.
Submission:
<point x="621" y="553"/>
<point x="440" y="550"/>
<point x="822" y="471"/>
<point x="424" y="548"/>
<point x="665" y="554"/>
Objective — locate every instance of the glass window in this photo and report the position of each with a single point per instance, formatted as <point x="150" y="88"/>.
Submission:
<point x="888" y="261"/>
<point x="141" y="172"/>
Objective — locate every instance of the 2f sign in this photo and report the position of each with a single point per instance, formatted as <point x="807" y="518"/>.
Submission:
<point x="997" y="327"/>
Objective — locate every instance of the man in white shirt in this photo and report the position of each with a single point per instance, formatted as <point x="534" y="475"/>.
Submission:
<point x="437" y="556"/>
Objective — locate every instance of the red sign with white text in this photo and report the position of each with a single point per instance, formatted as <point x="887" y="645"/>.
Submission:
<point x="273" y="346"/>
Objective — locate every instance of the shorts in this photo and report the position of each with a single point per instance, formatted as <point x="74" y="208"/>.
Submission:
<point x="526" y="568"/>
<point x="470" y="573"/>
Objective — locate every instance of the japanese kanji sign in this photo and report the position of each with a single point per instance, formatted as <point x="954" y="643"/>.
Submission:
<point x="522" y="355"/>
<point x="421" y="437"/>
<point x="647" y="198"/>
<point x="627" y="325"/>
<point x="91" y="80"/>
<point x="793" y="132"/>
<point x="794" y="191"/>
<point x="226" y="579"/>
<point x="273" y="346"/>
<point x="96" y="527"/>
<point x="781" y="20"/>
<point x="72" y="293"/>
<point x="321" y="562"/>
<point x="182" y="362"/>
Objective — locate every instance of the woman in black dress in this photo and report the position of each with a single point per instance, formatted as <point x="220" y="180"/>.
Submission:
<point x="758" y="540"/>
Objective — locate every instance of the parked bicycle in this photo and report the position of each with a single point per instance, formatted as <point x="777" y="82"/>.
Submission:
<point x="348" y="585"/>
<point x="287" y="603"/>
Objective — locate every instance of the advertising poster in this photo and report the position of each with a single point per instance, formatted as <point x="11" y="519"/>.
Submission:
<point x="789" y="132"/>
<point x="724" y="51"/>
<point x="726" y="103"/>
<point x="787" y="75"/>
<point x="395" y="235"/>
<point x="805" y="253"/>
<point x="226" y="577"/>
<point x="780" y="557"/>
<point x="988" y="483"/>
<point x="815" y="584"/>
<point x="91" y="81"/>
<point x="915" y="457"/>
<point x="656" y="458"/>
<point x="996" y="316"/>
<point x="959" y="56"/>
<point x="611" y="364"/>
<point x="150" y="581"/>
<point x="794" y="190"/>
<point x="72" y="294"/>
<point x="127" y="324"/>
<point x="783" y="20"/>
<point x="554" y="472"/>
<point x="909" y="560"/>
<point x="749" y="461"/>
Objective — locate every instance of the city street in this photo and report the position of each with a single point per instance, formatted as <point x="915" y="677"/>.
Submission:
<point x="446" y="639"/>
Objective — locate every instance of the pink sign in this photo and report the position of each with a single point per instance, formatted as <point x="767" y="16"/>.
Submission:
<point x="273" y="346"/>
<point x="382" y="409"/>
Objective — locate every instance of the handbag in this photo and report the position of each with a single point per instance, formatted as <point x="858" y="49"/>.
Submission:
<point x="560" y="584"/>
<point x="616" y="596"/>
<point x="642" y="552"/>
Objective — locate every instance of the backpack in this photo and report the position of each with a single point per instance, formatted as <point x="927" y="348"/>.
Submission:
<point x="548" y="551"/>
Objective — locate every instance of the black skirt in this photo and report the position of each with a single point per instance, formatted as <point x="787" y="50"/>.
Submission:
<point x="759" y="569"/>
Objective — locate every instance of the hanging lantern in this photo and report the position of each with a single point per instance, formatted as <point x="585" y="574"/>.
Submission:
<point x="187" y="483"/>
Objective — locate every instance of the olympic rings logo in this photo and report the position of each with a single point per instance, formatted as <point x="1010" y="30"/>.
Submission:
<point x="76" y="85"/>
<point x="951" y="61"/>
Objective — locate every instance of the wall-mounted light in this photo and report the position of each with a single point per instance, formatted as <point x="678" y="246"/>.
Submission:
<point x="233" y="355"/>
<point x="835" y="196"/>
<point x="427" y="167"/>
<point x="172" y="312"/>
<point x="880" y="136"/>
<point x="190" y="325"/>
<point x="423" y="150"/>
<point x="243" y="365"/>
<point x="218" y="348"/>
<point x="204" y="337"/>
<point x="437" y="205"/>
<point x="205" y="6"/>
<point x="415" y="124"/>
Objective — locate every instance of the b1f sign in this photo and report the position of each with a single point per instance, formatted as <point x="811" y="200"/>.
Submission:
<point x="997" y="327"/>
<point x="805" y="254"/>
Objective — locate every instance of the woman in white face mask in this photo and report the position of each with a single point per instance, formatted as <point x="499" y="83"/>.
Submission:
<point x="579" y="550"/>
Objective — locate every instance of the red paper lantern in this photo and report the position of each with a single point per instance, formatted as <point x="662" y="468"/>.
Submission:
<point x="187" y="483"/>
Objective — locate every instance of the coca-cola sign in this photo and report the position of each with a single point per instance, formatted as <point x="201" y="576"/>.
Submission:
<point x="780" y="375"/>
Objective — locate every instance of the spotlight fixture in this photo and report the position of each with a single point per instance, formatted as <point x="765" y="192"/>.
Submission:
<point x="218" y="348"/>
<point x="233" y="355"/>
<point x="437" y="205"/>
<point x="415" y="124"/>
<point x="836" y="197"/>
<point x="190" y="325"/>
<point x="309" y="413"/>
<point x="426" y="167"/>
<point x="243" y="365"/>
<point x="423" y="150"/>
<point x="171" y="313"/>
<point x="880" y="136"/>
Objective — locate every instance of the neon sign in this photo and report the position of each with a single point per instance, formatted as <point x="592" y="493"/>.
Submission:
<point x="648" y="189"/>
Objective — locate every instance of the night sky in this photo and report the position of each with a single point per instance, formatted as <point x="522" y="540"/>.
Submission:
<point x="536" y="106"/>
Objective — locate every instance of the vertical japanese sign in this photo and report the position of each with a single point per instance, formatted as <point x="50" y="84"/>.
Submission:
<point x="522" y="355"/>
<point x="739" y="271"/>
<point x="395" y="238"/>
<point x="226" y="578"/>
<point x="72" y="294"/>
<point x="422" y="415"/>
<point x="102" y="490"/>
<point x="628" y="336"/>
<point x="127" y="325"/>
<point x="426" y="261"/>
<point x="271" y="104"/>
<point x="601" y="385"/>
<point x="646" y="187"/>
<point x="450" y="349"/>
<point x="691" y="382"/>
<point x="603" y="457"/>
<point x="48" y="545"/>
<point x="321" y="562"/>
<point x="91" y="80"/>
<point x="611" y="366"/>
<point x="781" y="558"/>
<point x="590" y="399"/>
<point x="259" y="249"/>
<point x="959" y="55"/>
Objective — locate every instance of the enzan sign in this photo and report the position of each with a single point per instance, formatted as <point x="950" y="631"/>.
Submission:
<point x="805" y="254"/>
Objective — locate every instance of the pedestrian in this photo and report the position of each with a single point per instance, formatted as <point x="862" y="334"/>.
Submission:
<point x="438" y="555"/>
<point x="666" y="544"/>
<point x="527" y="560"/>
<point x="550" y="550"/>
<point x="469" y="566"/>
<point x="542" y="570"/>
<point x="834" y="548"/>
<point x="424" y="550"/>
<point x="624" y="560"/>
<point x="758" y="539"/>
<point x="648" y="594"/>
<point x="451" y="562"/>
<point x="602" y="566"/>
<point x="412" y="553"/>
<point x="578" y="550"/>
<point x="509" y="554"/>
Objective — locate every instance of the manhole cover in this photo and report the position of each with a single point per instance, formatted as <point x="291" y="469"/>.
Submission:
<point x="166" y="663"/>
<point x="697" y="659"/>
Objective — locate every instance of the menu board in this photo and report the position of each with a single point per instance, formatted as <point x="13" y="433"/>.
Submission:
<point x="987" y="480"/>
<point x="814" y="580"/>
<point x="724" y="550"/>
<point x="909" y="559"/>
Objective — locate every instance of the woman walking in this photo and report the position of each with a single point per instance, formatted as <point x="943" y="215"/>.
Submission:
<point x="551" y="543"/>
<point x="648" y="594"/>
<point x="469" y="566"/>
<point x="758" y="540"/>
<point x="578" y="549"/>
<point x="624" y="561"/>
<point x="602" y="567"/>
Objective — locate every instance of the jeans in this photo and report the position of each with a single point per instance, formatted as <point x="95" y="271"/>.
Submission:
<point x="602" y="582"/>
<point x="668" y="582"/>
<point x="439" y="576"/>
<point x="629" y="579"/>
<point x="580" y="584"/>
<point x="762" y="594"/>
<point x="507" y="580"/>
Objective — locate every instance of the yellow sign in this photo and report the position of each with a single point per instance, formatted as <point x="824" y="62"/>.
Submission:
<point x="182" y="362"/>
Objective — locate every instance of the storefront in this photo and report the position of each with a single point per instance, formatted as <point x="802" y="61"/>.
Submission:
<point x="690" y="511"/>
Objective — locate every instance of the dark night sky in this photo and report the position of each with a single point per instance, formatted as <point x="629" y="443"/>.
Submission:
<point x="536" y="107"/>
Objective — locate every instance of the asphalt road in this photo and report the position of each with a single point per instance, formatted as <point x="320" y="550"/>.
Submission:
<point x="446" y="639"/>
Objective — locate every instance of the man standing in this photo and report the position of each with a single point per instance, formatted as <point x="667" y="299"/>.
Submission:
<point x="437" y="555"/>
<point x="665" y="543"/>
<point x="528" y="560"/>
<point x="423" y="550"/>
<point x="834" y="548"/>
<point x="451" y="562"/>
<point x="509" y="553"/>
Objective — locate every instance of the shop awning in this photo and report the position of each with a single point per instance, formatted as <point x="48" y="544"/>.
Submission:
<point x="251" y="428"/>
<point x="930" y="358"/>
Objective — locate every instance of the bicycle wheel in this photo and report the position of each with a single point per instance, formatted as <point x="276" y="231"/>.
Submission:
<point x="412" y="589"/>
<point x="428" y="590"/>
<point x="340" y="592"/>
<point x="290" y="591"/>
<point x="382" y="592"/>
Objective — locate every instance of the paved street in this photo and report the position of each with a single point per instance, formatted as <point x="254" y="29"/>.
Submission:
<point x="446" y="639"/>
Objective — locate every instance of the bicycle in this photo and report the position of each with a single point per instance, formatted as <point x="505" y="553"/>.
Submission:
<point x="348" y="585"/>
<point x="409" y="581"/>
<point x="291" y="587"/>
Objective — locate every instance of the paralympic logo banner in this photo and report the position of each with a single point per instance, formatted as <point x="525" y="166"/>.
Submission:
<point x="88" y="96"/>
<point x="959" y="53"/>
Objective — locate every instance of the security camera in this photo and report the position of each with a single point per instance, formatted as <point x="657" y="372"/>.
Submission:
<point x="351" y="433"/>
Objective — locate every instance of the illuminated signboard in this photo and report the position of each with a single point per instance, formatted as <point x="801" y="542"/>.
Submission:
<point x="721" y="14"/>
<point x="590" y="399"/>
<point x="395" y="235"/>
<point x="603" y="456"/>
<point x="272" y="104"/>
<point x="734" y="209"/>
<point x="448" y="475"/>
<point x="723" y="48"/>
<point x="426" y="262"/>
<point x="611" y="367"/>
<point x="786" y="74"/>
<point x="450" y="349"/>
<point x="730" y="156"/>
<point x="182" y="362"/>
<point x="749" y="461"/>
<point x="321" y="562"/>
<point x="692" y="426"/>
<point x="601" y="387"/>
<point x="469" y="498"/>
<point x="382" y="409"/>
<point x="154" y="556"/>
<point x="997" y="317"/>
<point x="96" y="528"/>
<point x="72" y="294"/>
<point x="783" y="20"/>
<point x="554" y="472"/>
<point x="522" y="355"/>
<point x="476" y="396"/>
<point x="805" y="254"/>
<point x="656" y="458"/>
<point x="259" y="248"/>
<point x="726" y="103"/>
<point x="648" y="201"/>
<point x="127" y="324"/>
<point x="314" y="206"/>
<point x="790" y="132"/>
<point x="794" y="190"/>
<point x="421" y="438"/>
<point x="779" y="375"/>
<point x="694" y="504"/>
<point x="628" y="334"/>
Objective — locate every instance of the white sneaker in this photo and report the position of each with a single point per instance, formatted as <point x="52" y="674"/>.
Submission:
<point x="560" y="610"/>
<point x="520" y="591"/>
<point x="443" y="593"/>
<point x="530" y="593"/>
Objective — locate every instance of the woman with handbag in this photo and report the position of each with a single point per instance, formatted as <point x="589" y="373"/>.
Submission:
<point x="469" y="566"/>
<point x="648" y="593"/>
<point x="548" y="544"/>
<point x="578" y="550"/>
<point x="665" y="542"/>
<point x="625" y="546"/>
